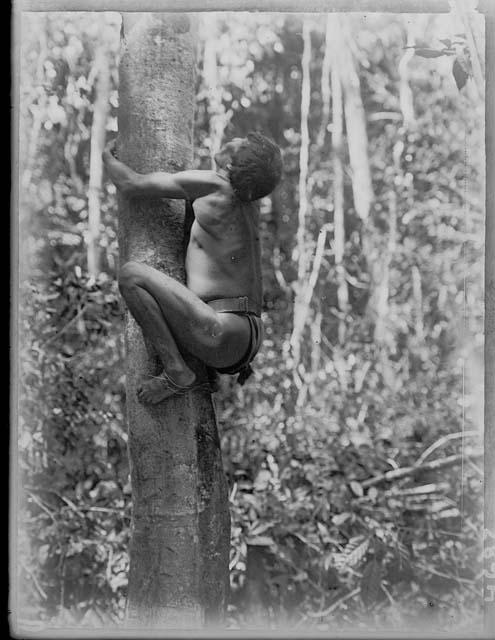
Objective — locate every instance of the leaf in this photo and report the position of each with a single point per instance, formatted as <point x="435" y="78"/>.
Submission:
<point x="446" y="41"/>
<point x="340" y="518"/>
<point x="353" y="553"/>
<point x="43" y="552"/>
<point x="460" y="74"/>
<point x="448" y="513"/>
<point x="323" y="531"/>
<point x="403" y="551"/>
<point x="372" y="493"/>
<point x="259" y="528"/>
<point x="429" y="53"/>
<point x="260" y="541"/>
<point x="356" y="488"/>
<point x="262" y="480"/>
<point x="370" y="583"/>
<point x="356" y="550"/>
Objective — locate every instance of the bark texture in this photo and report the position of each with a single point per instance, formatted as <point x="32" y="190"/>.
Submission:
<point x="180" y="533"/>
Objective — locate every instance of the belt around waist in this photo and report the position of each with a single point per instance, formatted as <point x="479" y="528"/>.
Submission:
<point x="242" y="304"/>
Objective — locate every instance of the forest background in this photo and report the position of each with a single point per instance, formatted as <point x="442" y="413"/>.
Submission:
<point x="353" y="453"/>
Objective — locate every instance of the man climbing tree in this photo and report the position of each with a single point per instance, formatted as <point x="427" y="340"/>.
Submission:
<point x="216" y="317"/>
<point x="180" y="542"/>
<point x="179" y="550"/>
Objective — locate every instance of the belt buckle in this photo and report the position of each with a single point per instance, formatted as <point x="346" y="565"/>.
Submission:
<point x="244" y="303"/>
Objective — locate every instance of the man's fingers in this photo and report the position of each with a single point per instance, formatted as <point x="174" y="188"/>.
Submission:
<point x="111" y="148"/>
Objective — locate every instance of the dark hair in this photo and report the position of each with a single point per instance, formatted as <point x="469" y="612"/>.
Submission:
<point x="256" y="168"/>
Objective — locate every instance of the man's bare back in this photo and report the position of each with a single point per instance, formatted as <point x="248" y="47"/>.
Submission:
<point x="216" y="316"/>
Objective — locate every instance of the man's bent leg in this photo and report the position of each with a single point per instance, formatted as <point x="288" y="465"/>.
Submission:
<point x="219" y="340"/>
<point x="148" y="315"/>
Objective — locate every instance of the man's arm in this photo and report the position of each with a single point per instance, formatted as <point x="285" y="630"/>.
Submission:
<point x="187" y="185"/>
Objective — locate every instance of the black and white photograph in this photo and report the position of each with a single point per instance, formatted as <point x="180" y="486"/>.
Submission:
<point x="252" y="319"/>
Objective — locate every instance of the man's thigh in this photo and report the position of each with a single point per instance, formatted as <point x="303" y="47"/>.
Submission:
<point x="218" y="339"/>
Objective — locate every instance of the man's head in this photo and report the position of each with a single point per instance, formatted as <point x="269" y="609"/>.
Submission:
<point x="254" y="165"/>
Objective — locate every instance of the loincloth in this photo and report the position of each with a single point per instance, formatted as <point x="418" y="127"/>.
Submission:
<point x="242" y="306"/>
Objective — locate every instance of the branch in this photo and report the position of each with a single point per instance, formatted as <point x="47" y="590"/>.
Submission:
<point x="398" y="474"/>
<point x="66" y="326"/>
<point x="35" y="580"/>
<point x="335" y="605"/>
<point x="284" y="285"/>
<point x="443" y="440"/>
<point x="301" y="315"/>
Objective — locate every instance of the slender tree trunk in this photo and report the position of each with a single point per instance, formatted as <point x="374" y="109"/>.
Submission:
<point x="418" y="302"/>
<point x="381" y="289"/>
<point x="333" y="29"/>
<point x="326" y="67"/>
<point x="357" y="140"/>
<point x="384" y="247"/>
<point x="300" y="252"/>
<point x="217" y="116"/>
<point x="180" y="532"/>
<point x="357" y="137"/>
<point x="316" y="342"/>
<point x="255" y="588"/>
<point x="98" y="129"/>
<point x="406" y="98"/>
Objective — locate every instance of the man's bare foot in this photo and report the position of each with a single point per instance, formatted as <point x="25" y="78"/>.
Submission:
<point x="161" y="387"/>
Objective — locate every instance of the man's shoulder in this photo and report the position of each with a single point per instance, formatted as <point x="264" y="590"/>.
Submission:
<point x="203" y="175"/>
<point x="199" y="183"/>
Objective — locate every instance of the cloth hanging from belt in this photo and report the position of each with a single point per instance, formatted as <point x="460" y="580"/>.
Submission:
<point x="244" y="307"/>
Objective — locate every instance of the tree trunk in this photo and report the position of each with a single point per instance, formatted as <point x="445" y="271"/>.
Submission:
<point x="384" y="248"/>
<point x="98" y="128"/>
<point x="333" y="28"/>
<point x="217" y="116"/>
<point x="300" y="252"/>
<point x="357" y="140"/>
<point x="357" y="137"/>
<point x="180" y="532"/>
<point x="326" y="67"/>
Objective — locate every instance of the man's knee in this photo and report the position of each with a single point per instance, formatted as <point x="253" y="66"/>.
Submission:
<point x="213" y="334"/>
<point x="130" y="275"/>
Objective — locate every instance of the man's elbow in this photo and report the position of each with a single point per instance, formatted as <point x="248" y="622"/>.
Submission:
<point x="130" y="185"/>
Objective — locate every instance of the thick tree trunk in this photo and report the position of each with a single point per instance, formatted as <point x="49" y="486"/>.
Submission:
<point x="180" y="534"/>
